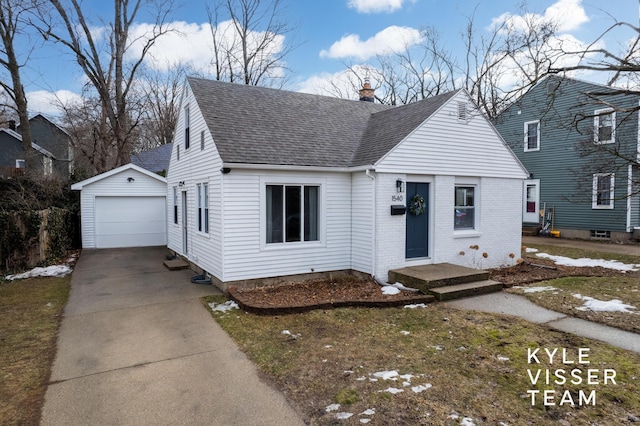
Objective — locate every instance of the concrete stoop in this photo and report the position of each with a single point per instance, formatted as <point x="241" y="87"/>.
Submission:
<point x="446" y="281"/>
<point x="176" y="264"/>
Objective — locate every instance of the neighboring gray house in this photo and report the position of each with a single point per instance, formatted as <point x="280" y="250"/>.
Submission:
<point x="268" y="183"/>
<point x="155" y="160"/>
<point x="56" y="140"/>
<point x="566" y="140"/>
<point x="13" y="158"/>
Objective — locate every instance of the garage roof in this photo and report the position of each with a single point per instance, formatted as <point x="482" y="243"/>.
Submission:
<point x="78" y="186"/>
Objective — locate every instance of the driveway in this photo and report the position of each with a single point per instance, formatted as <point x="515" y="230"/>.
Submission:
<point x="137" y="347"/>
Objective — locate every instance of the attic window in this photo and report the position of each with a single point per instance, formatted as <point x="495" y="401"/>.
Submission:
<point x="462" y="112"/>
<point x="187" y="142"/>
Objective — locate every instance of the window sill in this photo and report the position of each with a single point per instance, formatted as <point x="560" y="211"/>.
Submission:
<point x="602" y="207"/>
<point x="471" y="233"/>
<point x="532" y="150"/>
<point x="292" y="245"/>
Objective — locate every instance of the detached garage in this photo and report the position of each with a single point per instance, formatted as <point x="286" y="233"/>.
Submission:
<point x="124" y="207"/>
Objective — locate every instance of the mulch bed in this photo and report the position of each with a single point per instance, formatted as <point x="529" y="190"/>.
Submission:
<point x="320" y="294"/>
<point x="325" y="294"/>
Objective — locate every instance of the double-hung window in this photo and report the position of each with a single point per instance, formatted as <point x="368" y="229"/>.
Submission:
<point x="203" y="207"/>
<point x="292" y="213"/>
<point x="532" y="136"/>
<point x="175" y="205"/>
<point x="465" y="207"/>
<point x="603" y="191"/>
<point x="604" y="126"/>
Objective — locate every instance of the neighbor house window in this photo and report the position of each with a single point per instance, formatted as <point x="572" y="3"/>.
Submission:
<point x="532" y="136"/>
<point x="175" y="205"/>
<point x="21" y="164"/>
<point x="47" y="166"/>
<point x="604" y="126"/>
<point x="603" y="190"/>
<point x="465" y="207"/>
<point x="292" y="213"/>
<point x="187" y="142"/>
<point x="203" y="207"/>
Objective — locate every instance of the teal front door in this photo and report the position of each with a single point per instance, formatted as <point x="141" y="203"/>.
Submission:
<point x="417" y="229"/>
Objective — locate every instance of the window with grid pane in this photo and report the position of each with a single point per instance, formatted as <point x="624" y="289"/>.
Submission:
<point x="292" y="213"/>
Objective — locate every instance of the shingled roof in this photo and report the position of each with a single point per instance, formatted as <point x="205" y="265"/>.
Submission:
<point x="257" y="125"/>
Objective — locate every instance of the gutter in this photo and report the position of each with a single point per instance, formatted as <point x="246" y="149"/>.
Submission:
<point x="290" y="167"/>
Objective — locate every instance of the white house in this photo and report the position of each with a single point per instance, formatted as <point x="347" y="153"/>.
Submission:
<point x="268" y="183"/>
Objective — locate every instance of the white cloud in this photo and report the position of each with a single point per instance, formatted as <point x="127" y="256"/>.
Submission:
<point x="567" y="15"/>
<point x="391" y="39"/>
<point x="375" y="6"/>
<point x="49" y="103"/>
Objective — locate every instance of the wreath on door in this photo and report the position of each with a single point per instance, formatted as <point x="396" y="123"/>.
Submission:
<point x="416" y="207"/>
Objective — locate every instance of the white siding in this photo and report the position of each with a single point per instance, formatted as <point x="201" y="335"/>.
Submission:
<point x="196" y="166"/>
<point x="114" y="186"/>
<point x="362" y="225"/>
<point x="443" y="145"/>
<point x="499" y="224"/>
<point x="247" y="255"/>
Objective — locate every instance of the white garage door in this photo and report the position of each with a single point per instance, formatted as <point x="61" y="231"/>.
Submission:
<point x="130" y="221"/>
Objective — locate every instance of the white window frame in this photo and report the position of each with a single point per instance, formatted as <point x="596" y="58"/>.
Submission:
<point x="476" y="207"/>
<point x="321" y="212"/>
<point x="596" y="125"/>
<point x="187" y="130"/>
<point x="594" y="201"/>
<point x="20" y="163"/>
<point x="202" y="210"/>
<point x="526" y="136"/>
<point x="47" y="166"/>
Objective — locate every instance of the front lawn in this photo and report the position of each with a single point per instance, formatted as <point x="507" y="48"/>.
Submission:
<point x="30" y="315"/>
<point x="431" y="365"/>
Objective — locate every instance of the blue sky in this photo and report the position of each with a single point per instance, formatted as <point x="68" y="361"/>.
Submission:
<point x="334" y="32"/>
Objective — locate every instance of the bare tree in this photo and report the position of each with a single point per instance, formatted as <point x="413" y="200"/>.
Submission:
<point x="111" y="70"/>
<point x="12" y="25"/>
<point x="250" y="41"/>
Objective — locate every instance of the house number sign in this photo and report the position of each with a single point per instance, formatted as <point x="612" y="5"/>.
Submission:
<point x="397" y="198"/>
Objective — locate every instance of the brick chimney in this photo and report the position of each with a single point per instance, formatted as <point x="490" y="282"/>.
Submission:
<point x="367" y="94"/>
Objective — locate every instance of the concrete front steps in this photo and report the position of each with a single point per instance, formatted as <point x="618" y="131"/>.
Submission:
<point x="446" y="281"/>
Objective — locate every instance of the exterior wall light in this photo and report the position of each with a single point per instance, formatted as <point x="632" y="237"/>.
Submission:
<point x="130" y="179"/>
<point x="399" y="185"/>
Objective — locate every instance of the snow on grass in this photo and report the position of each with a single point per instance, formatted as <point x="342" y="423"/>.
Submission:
<point x="392" y="390"/>
<point x="49" y="271"/>
<point x="421" y="388"/>
<point x="405" y="332"/>
<point x="530" y="250"/>
<point x="332" y="407"/>
<point x="586" y="262"/>
<point x="416" y="305"/>
<point x="536" y="289"/>
<point x="343" y="416"/>
<point x="596" y="305"/>
<point x="223" y="307"/>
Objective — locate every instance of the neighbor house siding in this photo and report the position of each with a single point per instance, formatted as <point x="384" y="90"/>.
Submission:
<point x="362" y="217"/>
<point x="247" y="255"/>
<point x="116" y="185"/>
<point x="565" y="183"/>
<point x="444" y="145"/>
<point x="196" y="166"/>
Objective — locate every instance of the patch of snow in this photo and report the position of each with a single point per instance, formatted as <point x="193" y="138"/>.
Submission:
<point x="406" y="333"/>
<point x="361" y="378"/>
<point x="421" y="388"/>
<point x="586" y="262"/>
<point x="400" y="286"/>
<point x="49" y="271"/>
<point x="368" y="412"/>
<point x="387" y="375"/>
<point x="343" y="416"/>
<point x="365" y="420"/>
<point x="538" y="289"/>
<point x="223" y="307"/>
<point x="596" y="305"/>
<point x="332" y="407"/>
<point x="467" y="421"/>
<point x="392" y="390"/>
<point x="531" y="250"/>
<point x="416" y="305"/>
<point x="390" y="290"/>
<point x="328" y="346"/>
<point x="437" y="347"/>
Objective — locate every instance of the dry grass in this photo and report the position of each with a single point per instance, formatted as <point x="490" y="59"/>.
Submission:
<point x="475" y="363"/>
<point x="30" y="315"/>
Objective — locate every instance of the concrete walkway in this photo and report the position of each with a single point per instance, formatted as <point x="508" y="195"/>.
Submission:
<point x="137" y="347"/>
<point x="519" y="306"/>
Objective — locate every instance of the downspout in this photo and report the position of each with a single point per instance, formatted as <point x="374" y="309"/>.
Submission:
<point x="373" y="224"/>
